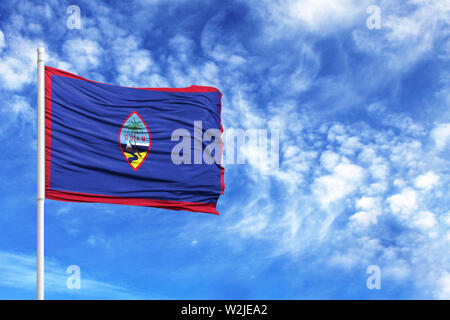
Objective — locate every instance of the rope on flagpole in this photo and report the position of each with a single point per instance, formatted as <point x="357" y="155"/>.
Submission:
<point x="40" y="173"/>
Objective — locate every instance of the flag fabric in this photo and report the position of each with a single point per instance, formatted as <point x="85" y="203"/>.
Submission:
<point x="112" y="144"/>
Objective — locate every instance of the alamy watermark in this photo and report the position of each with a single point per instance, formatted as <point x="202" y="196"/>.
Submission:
<point x="257" y="147"/>
<point x="374" y="279"/>
<point x="374" y="20"/>
<point x="74" y="19"/>
<point x="74" y="279"/>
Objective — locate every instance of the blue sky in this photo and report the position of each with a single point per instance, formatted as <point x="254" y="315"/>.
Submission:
<point x="363" y="116"/>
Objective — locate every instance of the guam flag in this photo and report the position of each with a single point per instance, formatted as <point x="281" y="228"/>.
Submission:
<point x="155" y="147"/>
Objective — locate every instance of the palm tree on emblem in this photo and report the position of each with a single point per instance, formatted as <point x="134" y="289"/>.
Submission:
<point x="135" y="127"/>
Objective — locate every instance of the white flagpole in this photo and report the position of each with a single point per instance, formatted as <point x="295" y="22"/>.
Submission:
<point x="40" y="173"/>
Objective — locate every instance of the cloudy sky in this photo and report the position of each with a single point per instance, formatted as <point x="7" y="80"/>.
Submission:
<point x="364" y="126"/>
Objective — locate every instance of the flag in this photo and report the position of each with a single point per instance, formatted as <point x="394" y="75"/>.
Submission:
<point x="133" y="146"/>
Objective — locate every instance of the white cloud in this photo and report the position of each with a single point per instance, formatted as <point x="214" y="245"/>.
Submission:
<point x="329" y="160"/>
<point x="409" y="31"/>
<point x="346" y="178"/>
<point x="337" y="133"/>
<point x="398" y="269"/>
<point x="20" y="107"/>
<point x="213" y="44"/>
<point x="370" y="209"/>
<point x="426" y="181"/>
<point x="350" y="146"/>
<point x="446" y="218"/>
<point x="18" y="62"/>
<point x="17" y="113"/>
<point x="407" y="154"/>
<point x="84" y="54"/>
<point x="444" y="286"/>
<point x="183" y="47"/>
<point x="367" y="203"/>
<point x="424" y="220"/>
<point x="320" y="15"/>
<point x="395" y="120"/>
<point x="379" y="168"/>
<point x="367" y="154"/>
<point x="364" y="218"/>
<point x="95" y="241"/>
<point x="131" y="61"/>
<point x="251" y="225"/>
<point x="403" y="203"/>
<point x="441" y="135"/>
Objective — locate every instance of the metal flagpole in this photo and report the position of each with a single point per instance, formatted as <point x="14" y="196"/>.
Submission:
<point x="40" y="173"/>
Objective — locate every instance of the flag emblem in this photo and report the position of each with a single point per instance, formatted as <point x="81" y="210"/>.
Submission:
<point x="134" y="140"/>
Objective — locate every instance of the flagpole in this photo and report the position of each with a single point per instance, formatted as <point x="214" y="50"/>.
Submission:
<point x="40" y="173"/>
